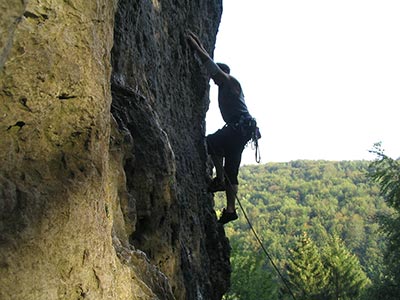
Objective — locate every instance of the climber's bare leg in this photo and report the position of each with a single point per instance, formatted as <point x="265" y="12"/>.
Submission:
<point x="231" y="192"/>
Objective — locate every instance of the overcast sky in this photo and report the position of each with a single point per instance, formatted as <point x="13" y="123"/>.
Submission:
<point x="321" y="77"/>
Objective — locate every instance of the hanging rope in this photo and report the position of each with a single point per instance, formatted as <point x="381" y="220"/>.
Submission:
<point x="255" y="136"/>
<point x="255" y="146"/>
<point x="261" y="243"/>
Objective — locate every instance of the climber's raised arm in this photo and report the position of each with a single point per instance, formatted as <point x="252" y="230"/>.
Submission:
<point x="218" y="75"/>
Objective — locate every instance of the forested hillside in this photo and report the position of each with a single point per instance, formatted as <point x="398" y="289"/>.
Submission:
<point x="320" y="211"/>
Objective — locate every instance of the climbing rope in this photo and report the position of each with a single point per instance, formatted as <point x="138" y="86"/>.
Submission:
<point x="261" y="243"/>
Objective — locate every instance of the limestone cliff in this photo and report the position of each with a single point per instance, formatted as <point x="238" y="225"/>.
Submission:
<point x="103" y="166"/>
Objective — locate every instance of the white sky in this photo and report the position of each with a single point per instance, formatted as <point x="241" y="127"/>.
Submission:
<point x="322" y="78"/>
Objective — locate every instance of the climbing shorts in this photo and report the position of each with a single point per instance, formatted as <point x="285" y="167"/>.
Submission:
<point x="228" y="142"/>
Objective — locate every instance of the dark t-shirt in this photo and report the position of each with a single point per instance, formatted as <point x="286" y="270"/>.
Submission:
<point x="231" y="101"/>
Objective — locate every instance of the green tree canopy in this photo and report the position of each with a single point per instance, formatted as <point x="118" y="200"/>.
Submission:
<point x="386" y="171"/>
<point x="322" y="198"/>
<point x="252" y="277"/>
<point x="347" y="279"/>
<point x="306" y="271"/>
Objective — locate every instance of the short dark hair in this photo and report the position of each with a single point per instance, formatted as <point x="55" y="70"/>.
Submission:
<point x="224" y="68"/>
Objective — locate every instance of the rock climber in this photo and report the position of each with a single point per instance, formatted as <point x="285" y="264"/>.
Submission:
<point x="226" y="145"/>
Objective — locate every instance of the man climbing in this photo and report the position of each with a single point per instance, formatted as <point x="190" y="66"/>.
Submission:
<point x="228" y="142"/>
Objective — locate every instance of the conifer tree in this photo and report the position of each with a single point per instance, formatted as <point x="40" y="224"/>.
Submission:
<point x="307" y="274"/>
<point x="347" y="279"/>
<point x="386" y="171"/>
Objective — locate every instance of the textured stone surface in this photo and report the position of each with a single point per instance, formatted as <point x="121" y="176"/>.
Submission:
<point x="103" y="168"/>
<point x="160" y="100"/>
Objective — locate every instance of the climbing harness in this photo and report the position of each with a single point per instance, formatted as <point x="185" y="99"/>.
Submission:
<point x="248" y="128"/>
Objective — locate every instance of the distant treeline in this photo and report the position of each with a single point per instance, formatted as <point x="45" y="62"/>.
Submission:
<point x="317" y="219"/>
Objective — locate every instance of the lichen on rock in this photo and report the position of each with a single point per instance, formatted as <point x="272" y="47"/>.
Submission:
<point x="103" y="166"/>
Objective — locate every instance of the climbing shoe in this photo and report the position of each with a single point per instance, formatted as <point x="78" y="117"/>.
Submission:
<point x="227" y="216"/>
<point x="216" y="185"/>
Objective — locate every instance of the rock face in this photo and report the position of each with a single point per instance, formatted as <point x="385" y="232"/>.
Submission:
<point x="103" y="166"/>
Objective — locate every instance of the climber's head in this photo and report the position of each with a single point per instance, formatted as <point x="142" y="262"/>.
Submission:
<point x="224" y="68"/>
